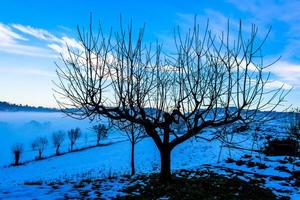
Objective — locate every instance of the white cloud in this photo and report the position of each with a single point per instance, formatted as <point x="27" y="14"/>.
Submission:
<point x="36" y="32"/>
<point x="274" y="84"/>
<point x="58" y="44"/>
<point x="62" y="45"/>
<point x="218" y="24"/>
<point x="27" y="71"/>
<point x="283" y="15"/>
<point x="26" y="50"/>
<point x="286" y="72"/>
<point x="268" y="10"/>
<point x="14" y="39"/>
<point x="71" y="42"/>
<point x="12" y="42"/>
<point x="7" y="36"/>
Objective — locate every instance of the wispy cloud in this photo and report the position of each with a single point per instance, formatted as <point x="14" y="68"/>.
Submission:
<point x="286" y="13"/>
<point x="58" y="44"/>
<point x="12" y="42"/>
<point x="272" y="11"/>
<point x="36" y="32"/>
<point x="218" y="23"/>
<point x="28" y="71"/>
<point x="8" y="36"/>
<point x="274" y="84"/>
<point x="62" y="45"/>
<point x="268" y="10"/>
<point x="286" y="72"/>
<point x="17" y="39"/>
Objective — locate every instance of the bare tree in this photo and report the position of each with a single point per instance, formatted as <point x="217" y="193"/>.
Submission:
<point x="74" y="135"/>
<point x="209" y="81"/>
<point x="39" y="144"/>
<point x="101" y="132"/>
<point x="57" y="139"/>
<point x="134" y="133"/>
<point x="17" y="150"/>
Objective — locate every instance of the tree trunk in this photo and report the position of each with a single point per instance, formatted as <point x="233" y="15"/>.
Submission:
<point x="57" y="150"/>
<point x="72" y="146"/>
<point x="17" y="158"/>
<point x="165" y="165"/>
<point x="40" y="155"/>
<point x="132" y="159"/>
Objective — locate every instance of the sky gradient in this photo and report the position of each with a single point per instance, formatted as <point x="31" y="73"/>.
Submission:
<point x="32" y="33"/>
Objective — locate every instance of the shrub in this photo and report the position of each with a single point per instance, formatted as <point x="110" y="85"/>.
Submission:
<point x="57" y="139"/>
<point x="39" y="144"/>
<point x="281" y="147"/>
<point x="101" y="132"/>
<point x="74" y="135"/>
<point x="17" y="150"/>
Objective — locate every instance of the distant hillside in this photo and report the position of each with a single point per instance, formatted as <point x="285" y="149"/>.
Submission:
<point x="5" y="106"/>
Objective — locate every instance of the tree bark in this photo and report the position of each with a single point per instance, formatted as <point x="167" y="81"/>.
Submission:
<point x="165" y="165"/>
<point x="17" y="158"/>
<point x="57" y="150"/>
<point x="40" y="155"/>
<point x="132" y="159"/>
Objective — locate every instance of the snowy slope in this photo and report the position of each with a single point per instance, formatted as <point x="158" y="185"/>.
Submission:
<point x="104" y="161"/>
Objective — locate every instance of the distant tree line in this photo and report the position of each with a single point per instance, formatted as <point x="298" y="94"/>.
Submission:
<point x="5" y="106"/>
<point x="40" y="143"/>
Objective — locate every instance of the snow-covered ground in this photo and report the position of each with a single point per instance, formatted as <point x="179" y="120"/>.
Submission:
<point x="104" y="161"/>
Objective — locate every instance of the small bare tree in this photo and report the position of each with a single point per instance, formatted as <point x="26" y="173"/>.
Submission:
<point x="101" y="132"/>
<point x="74" y="135"/>
<point x="209" y="81"/>
<point x="134" y="133"/>
<point x="57" y="139"/>
<point x="39" y="145"/>
<point x="17" y="150"/>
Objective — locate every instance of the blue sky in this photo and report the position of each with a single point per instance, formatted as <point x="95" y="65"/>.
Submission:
<point x="32" y="33"/>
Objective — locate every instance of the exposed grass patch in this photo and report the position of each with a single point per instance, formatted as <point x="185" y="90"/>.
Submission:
<point x="282" y="147"/>
<point x="282" y="168"/>
<point x="195" y="185"/>
<point x="33" y="183"/>
<point x="248" y="163"/>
